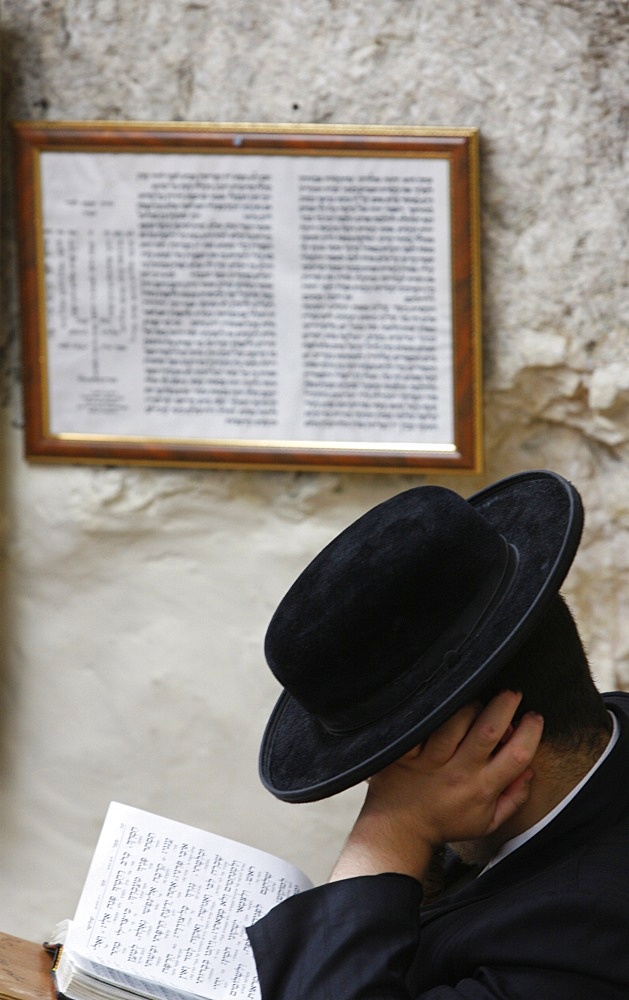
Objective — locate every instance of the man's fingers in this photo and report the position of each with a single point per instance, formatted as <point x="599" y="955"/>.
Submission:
<point x="514" y="757"/>
<point x="491" y="726"/>
<point x="477" y="730"/>
<point x="512" y="799"/>
<point x="444" y="742"/>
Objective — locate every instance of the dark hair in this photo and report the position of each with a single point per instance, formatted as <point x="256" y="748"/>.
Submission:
<point x="552" y="672"/>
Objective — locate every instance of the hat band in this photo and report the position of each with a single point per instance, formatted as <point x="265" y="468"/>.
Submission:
<point x="442" y="655"/>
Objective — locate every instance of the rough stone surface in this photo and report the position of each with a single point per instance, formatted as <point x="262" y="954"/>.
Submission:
<point x="134" y="601"/>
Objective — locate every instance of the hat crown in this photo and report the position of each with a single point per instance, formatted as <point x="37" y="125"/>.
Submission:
<point x="385" y="605"/>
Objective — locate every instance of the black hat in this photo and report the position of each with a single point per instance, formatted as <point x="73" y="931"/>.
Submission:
<point x="403" y="618"/>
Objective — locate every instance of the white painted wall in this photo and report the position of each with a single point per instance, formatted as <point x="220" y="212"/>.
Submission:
<point x="135" y="600"/>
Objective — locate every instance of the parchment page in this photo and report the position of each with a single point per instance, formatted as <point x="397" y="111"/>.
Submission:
<point x="237" y="298"/>
<point x="167" y="902"/>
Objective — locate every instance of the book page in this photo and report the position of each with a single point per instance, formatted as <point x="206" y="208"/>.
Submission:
<point x="238" y="298"/>
<point x="167" y="903"/>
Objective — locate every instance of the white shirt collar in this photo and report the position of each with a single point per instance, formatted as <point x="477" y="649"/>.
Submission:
<point x="511" y="845"/>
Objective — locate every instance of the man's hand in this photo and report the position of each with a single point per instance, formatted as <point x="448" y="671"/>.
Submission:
<point x="469" y="777"/>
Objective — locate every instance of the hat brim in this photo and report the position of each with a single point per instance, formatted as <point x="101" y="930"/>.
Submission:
<point x="540" y="514"/>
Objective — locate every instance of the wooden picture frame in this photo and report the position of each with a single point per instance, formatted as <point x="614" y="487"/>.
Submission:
<point x="250" y="295"/>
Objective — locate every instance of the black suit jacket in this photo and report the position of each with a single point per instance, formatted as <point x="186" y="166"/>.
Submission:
<point x="549" y="921"/>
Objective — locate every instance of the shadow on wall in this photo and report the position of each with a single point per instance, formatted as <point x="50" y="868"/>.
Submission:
<point x="12" y="49"/>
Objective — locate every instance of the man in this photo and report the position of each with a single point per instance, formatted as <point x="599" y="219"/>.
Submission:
<point x="427" y="650"/>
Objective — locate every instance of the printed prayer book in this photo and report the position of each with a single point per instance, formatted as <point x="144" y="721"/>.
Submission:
<point x="163" y="912"/>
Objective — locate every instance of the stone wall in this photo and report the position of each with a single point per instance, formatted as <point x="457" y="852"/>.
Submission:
<point x="135" y="601"/>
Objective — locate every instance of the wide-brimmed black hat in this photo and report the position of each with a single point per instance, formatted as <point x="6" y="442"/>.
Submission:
<point x="403" y="618"/>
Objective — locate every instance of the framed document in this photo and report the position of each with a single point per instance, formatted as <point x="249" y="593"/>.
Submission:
<point x="250" y="296"/>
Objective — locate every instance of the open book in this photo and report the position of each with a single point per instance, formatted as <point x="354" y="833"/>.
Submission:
<point x="163" y="912"/>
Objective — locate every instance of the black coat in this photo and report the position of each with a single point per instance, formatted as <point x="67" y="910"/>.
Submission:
<point x="550" y="921"/>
